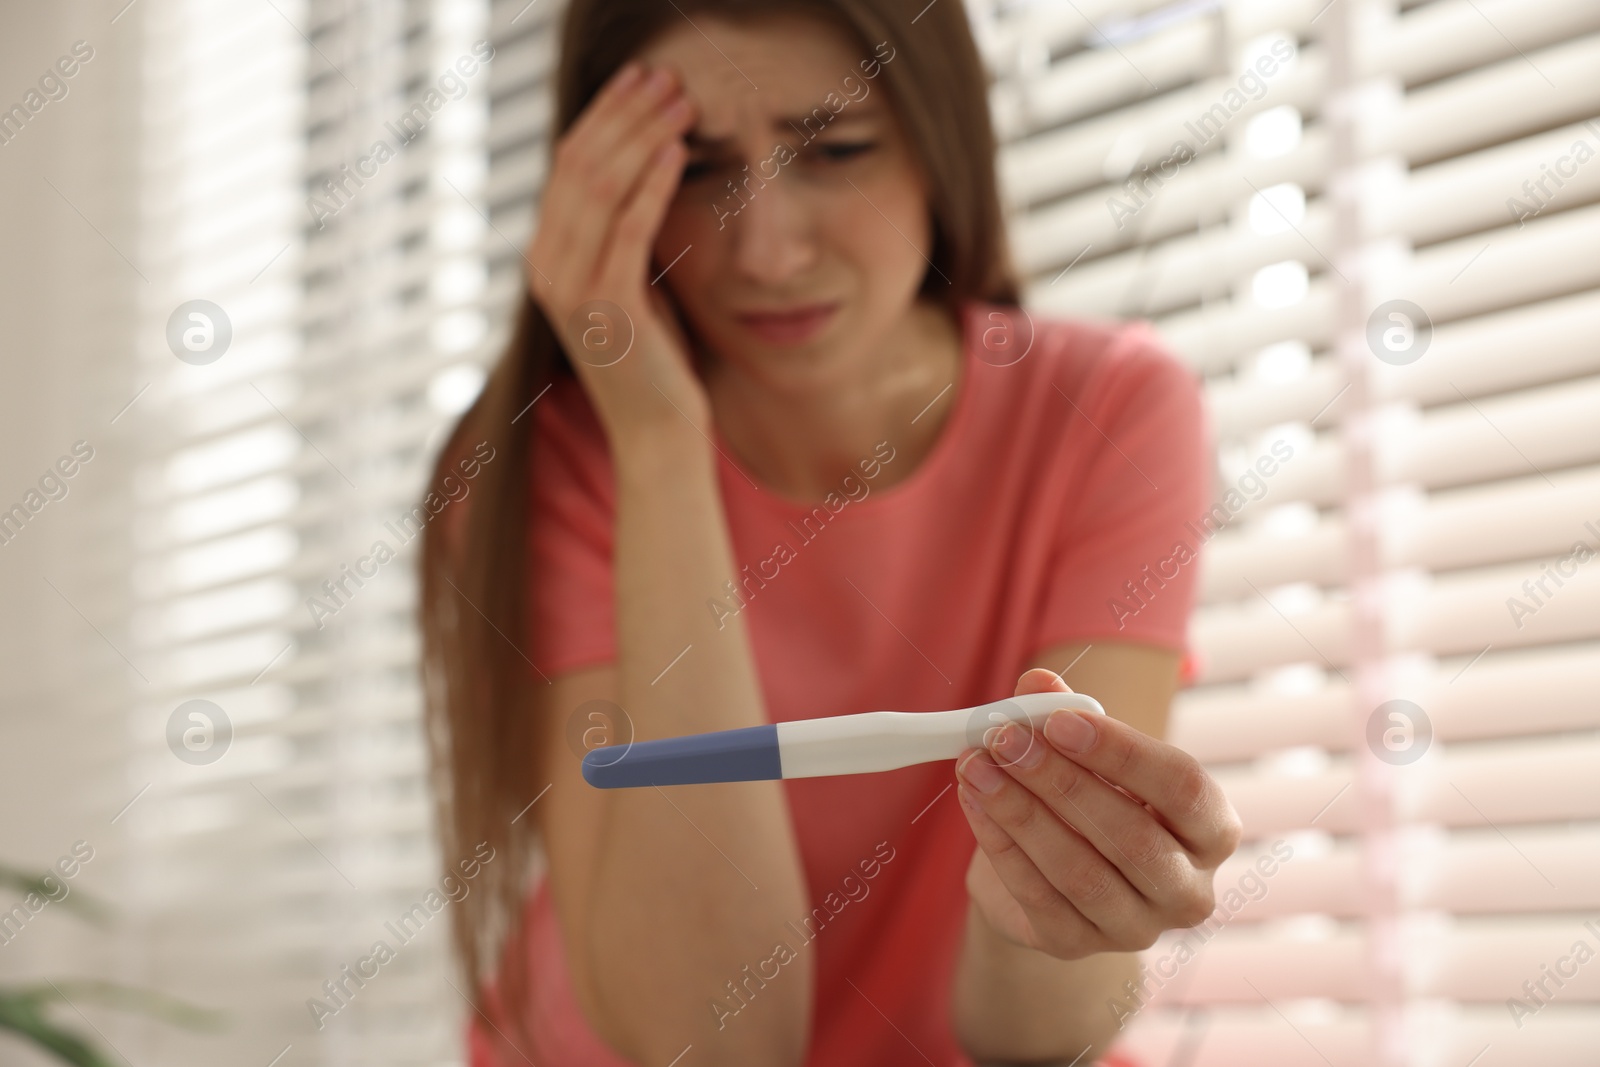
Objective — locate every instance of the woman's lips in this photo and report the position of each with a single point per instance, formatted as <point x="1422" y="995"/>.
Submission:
<point x="789" y="327"/>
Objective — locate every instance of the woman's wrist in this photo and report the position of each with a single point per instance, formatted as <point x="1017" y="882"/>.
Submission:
<point x="647" y="452"/>
<point x="1012" y="1002"/>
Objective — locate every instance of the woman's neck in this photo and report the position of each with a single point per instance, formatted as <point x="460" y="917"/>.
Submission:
<point x="800" y="444"/>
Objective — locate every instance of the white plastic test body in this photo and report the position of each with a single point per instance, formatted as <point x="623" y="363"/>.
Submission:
<point x="811" y="748"/>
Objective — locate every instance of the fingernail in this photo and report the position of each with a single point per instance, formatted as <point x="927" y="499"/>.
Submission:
<point x="981" y="773"/>
<point x="1017" y="747"/>
<point x="629" y="73"/>
<point x="1069" y="731"/>
<point x="659" y="79"/>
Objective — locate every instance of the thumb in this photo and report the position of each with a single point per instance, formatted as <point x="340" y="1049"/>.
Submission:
<point x="1041" y="680"/>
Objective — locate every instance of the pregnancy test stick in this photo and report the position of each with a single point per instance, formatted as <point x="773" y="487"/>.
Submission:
<point x="812" y="748"/>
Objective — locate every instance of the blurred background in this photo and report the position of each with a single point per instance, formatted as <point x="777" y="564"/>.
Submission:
<point x="234" y="331"/>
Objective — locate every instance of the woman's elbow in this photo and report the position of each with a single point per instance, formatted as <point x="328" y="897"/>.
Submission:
<point x="769" y="1028"/>
<point x="783" y="1043"/>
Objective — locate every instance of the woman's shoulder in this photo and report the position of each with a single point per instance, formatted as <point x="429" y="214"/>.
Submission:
<point x="1099" y="362"/>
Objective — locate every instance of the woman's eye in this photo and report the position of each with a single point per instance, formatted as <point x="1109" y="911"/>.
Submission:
<point x="695" y="168"/>
<point x="843" y="150"/>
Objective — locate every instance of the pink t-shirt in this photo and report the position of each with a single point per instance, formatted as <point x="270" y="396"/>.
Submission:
<point x="1051" y="509"/>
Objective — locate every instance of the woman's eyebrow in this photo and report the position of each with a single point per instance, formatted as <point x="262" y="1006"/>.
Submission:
<point x="852" y="114"/>
<point x="863" y="110"/>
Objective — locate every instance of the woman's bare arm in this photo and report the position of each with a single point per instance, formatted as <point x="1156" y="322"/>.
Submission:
<point x="692" y="883"/>
<point x="665" y="895"/>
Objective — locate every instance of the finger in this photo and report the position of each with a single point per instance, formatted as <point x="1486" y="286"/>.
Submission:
<point x="612" y="165"/>
<point x="626" y="100"/>
<point x="994" y="898"/>
<point x="626" y="257"/>
<point x="601" y="111"/>
<point x="1187" y="800"/>
<point x="1035" y="680"/>
<point x="597" y="166"/>
<point x="1041" y="680"/>
<point x="1050" y="922"/>
<point x="580" y="233"/>
<point x="548" y="237"/>
<point x="1070" y="863"/>
<point x="1124" y="831"/>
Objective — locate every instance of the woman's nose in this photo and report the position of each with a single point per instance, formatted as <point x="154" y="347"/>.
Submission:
<point x="774" y="237"/>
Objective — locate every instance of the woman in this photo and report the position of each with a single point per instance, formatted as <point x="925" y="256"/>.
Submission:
<point x="775" y="442"/>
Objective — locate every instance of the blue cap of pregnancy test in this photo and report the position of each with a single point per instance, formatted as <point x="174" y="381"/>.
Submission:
<point x="741" y="755"/>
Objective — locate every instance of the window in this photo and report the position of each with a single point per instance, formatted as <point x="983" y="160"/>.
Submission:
<point x="315" y="174"/>
<point x="1393" y="317"/>
<point x="1368" y="228"/>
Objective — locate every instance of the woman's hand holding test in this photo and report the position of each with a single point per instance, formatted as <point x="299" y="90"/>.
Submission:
<point x="1092" y="836"/>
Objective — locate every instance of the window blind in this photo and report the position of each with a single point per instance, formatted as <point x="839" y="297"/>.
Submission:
<point x="1373" y="163"/>
<point x="1422" y="542"/>
<point x="315" y="173"/>
<point x="219" y="898"/>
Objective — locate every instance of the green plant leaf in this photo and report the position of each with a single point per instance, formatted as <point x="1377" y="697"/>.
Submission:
<point x="132" y="998"/>
<point x="76" y="900"/>
<point x="20" y="1014"/>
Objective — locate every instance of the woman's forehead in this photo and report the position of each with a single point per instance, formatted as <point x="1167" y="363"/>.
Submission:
<point x="757" y="76"/>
